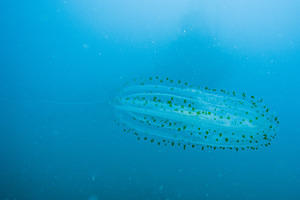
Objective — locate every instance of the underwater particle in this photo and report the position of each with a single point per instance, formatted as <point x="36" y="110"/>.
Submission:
<point x="93" y="197"/>
<point x="85" y="46"/>
<point x="161" y="187"/>
<point x="172" y="110"/>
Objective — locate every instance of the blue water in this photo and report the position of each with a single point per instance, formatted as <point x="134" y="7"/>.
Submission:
<point x="62" y="62"/>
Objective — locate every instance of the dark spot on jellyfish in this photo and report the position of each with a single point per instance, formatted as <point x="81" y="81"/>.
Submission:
<point x="244" y="94"/>
<point x="158" y="143"/>
<point x="267" y="110"/>
<point x="150" y="78"/>
<point x="185" y="83"/>
<point x="252" y="97"/>
<point x="179" y="129"/>
<point x="228" y="118"/>
<point x="152" y="140"/>
<point x="243" y="136"/>
<point x="145" y="138"/>
<point x="205" y="137"/>
<point x="237" y="141"/>
<point x="184" y="127"/>
<point x="206" y="132"/>
<point x="226" y="139"/>
<point x="198" y="129"/>
<point x="198" y="113"/>
<point x="172" y="143"/>
<point x="271" y="126"/>
<point x="179" y="81"/>
<point x="184" y="147"/>
<point x="220" y="134"/>
<point x="161" y="81"/>
<point x="202" y="147"/>
<point x="193" y="145"/>
<point x="217" y="140"/>
<point x="163" y="140"/>
<point x="157" y="77"/>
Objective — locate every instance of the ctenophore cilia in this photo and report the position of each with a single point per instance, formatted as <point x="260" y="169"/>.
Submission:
<point x="171" y="112"/>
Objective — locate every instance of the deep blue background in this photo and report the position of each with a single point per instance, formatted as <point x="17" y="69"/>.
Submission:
<point x="61" y="62"/>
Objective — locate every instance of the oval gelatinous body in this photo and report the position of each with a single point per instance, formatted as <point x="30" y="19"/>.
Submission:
<point x="168" y="111"/>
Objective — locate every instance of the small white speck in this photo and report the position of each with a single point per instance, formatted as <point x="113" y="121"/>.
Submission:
<point x="85" y="46"/>
<point x="93" y="197"/>
<point x="161" y="187"/>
